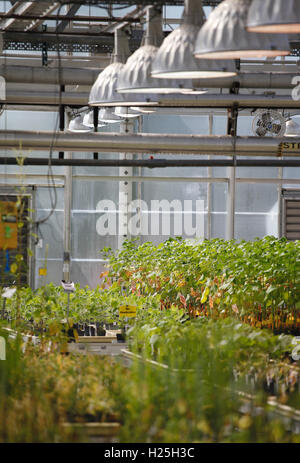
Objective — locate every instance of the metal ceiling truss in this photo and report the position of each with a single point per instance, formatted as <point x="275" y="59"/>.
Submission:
<point x="19" y="8"/>
<point x="22" y="26"/>
<point x="84" y="43"/>
<point x="66" y="42"/>
<point x="124" y="2"/>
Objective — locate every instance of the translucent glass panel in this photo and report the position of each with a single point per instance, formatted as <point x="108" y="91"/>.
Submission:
<point x="44" y="196"/>
<point x="51" y="232"/>
<point x="54" y="272"/>
<point x="256" y="210"/>
<point x="218" y="225"/>
<point x="87" y="273"/>
<point x="219" y="197"/>
<point x="257" y="172"/>
<point x="174" y="190"/>
<point x="156" y="123"/>
<point x="28" y="121"/>
<point x="257" y="197"/>
<point x="255" y="226"/>
<point x="87" y="193"/>
<point x="86" y="240"/>
<point x="49" y="253"/>
<point x="173" y="209"/>
<point x="291" y="172"/>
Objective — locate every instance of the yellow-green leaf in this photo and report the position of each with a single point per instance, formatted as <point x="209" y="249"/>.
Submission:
<point x="205" y="295"/>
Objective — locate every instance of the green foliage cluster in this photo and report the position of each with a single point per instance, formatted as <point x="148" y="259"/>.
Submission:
<point x="163" y="405"/>
<point x="196" y="393"/>
<point x="257" y="282"/>
<point x="163" y="336"/>
<point x="192" y="300"/>
<point x="44" y="309"/>
<point x="39" y="391"/>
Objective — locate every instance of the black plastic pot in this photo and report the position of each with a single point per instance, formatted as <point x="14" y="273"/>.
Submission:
<point x="100" y="330"/>
<point x="121" y="336"/>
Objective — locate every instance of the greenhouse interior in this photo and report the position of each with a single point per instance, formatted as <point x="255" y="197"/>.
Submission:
<point x="133" y="313"/>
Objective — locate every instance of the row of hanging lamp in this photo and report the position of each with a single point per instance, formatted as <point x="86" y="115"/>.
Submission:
<point x="175" y="58"/>
<point x="76" y="125"/>
<point x="84" y="122"/>
<point x="224" y="35"/>
<point x="88" y="120"/>
<point x="109" y="116"/>
<point x="126" y="112"/>
<point x="104" y="89"/>
<point x="274" y="16"/>
<point x="197" y="49"/>
<point x="135" y="77"/>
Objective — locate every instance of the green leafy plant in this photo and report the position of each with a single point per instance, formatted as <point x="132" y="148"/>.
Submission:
<point x="256" y="282"/>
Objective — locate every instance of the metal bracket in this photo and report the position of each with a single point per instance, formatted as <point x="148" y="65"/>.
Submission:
<point x="44" y="49"/>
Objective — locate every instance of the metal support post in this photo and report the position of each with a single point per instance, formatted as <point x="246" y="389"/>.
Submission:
<point x="231" y="130"/>
<point x="67" y="218"/>
<point x="96" y="120"/>
<point x="61" y="121"/>
<point x="279" y="193"/>
<point x="125" y="188"/>
<point x="209" y="185"/>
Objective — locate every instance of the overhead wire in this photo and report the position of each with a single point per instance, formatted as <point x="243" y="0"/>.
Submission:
<point x="50" y="175"/>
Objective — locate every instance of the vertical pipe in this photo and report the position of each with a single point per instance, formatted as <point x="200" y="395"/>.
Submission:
<point x="67" y="218"/>
<point x="139" y="185"/>
<point x="95" y="120"/>
<point x="230" y="203"/>
<point x="67" y="205"/>
<point x="125" y="188"/>
<point x="231" y="130"/>
<point x="209" y="186"/>
<point x="61" y="121"/>
<point x="279" y="195"/>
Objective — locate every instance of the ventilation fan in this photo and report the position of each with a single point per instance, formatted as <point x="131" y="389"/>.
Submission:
<point x="269" y="123"/>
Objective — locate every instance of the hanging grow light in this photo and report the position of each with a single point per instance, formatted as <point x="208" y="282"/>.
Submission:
<point x="224" y="35"/>
<point x="175" y="58"/>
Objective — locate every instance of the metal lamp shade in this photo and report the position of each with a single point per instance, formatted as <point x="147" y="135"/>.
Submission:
<point x="175" y="58"/>
<point x="88" y="120"/>
<point x="274" y="16"/>
<point x="145" y="110"/>
<point x="107" y="115"/>
<point x="105" y="88"/>
<point x="77" y="125"/>
<point x="126" y="113"/>
<point x="104" y="91"/>
<point x="136" y="77"/>
<point x="224" y="35"/>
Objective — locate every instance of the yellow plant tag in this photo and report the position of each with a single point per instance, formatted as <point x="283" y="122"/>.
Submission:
<point x="127" y="311"/>
<point x="43" y="272"/>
